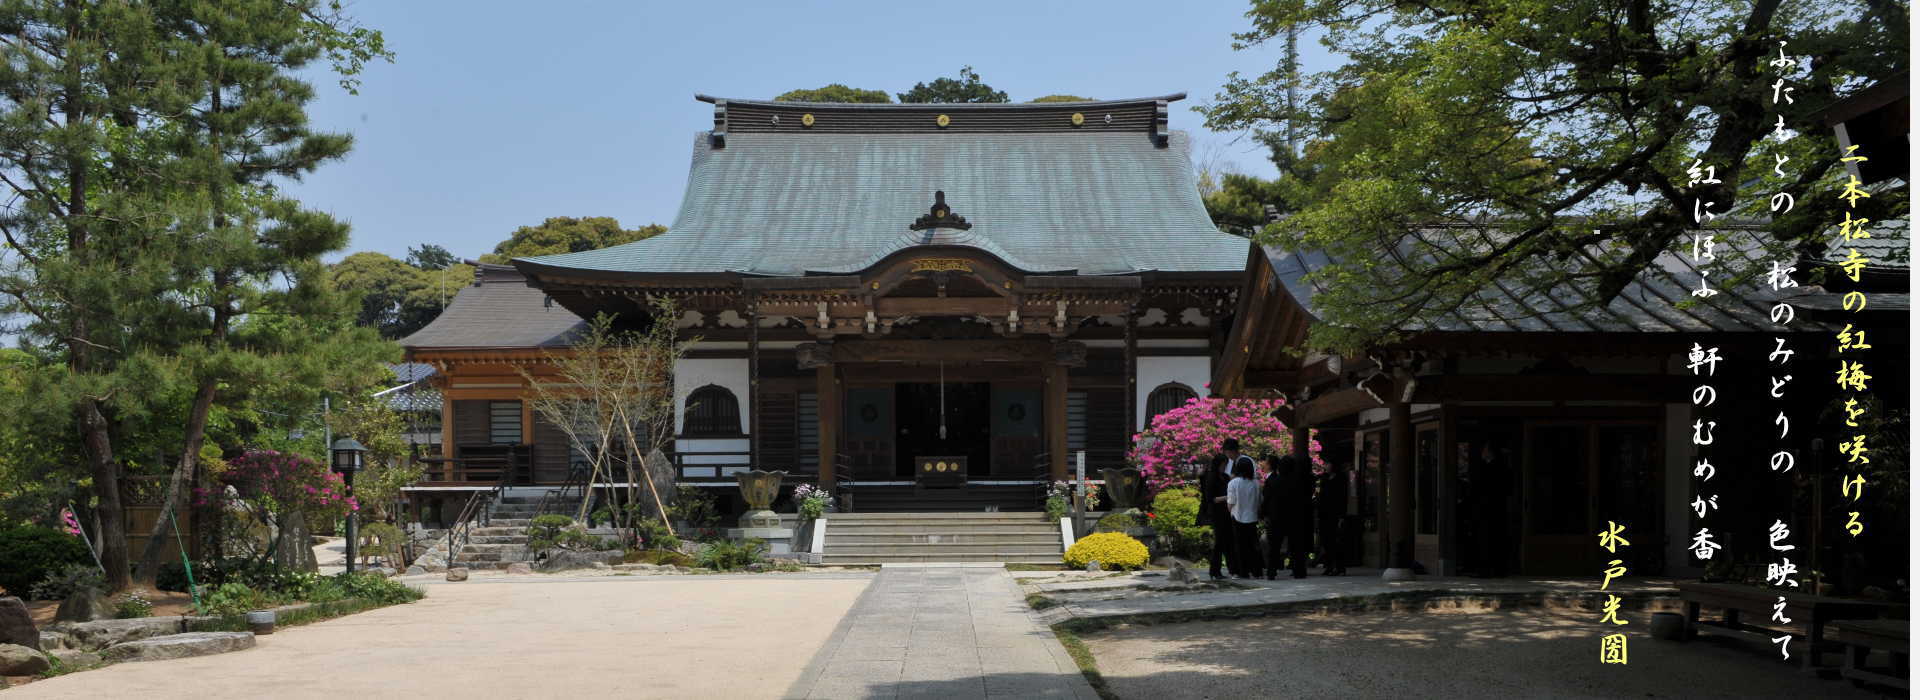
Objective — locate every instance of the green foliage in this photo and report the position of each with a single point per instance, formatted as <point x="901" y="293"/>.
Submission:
<point x="32" y="553"/>
<point x="234" y="599"/>
<point x="395" y="297"/>
<point x="431" y="257"/>
<point x="660" y="557"/>
<point x="374" y="588"/>
<point x="67" y="581"/>
<point x="1174" y="512"/>
<point x="966" y="89"/>
<point x="1061" y="98"/>
<point x="1115" y="552"/>
<point x="694" y="506"/>
<point x="835" y="93"/>
<point x="1239" y="204"/>
<point x="1057" y="508"/>
<point x="381" y="540"/>
<point x="1119" y="522"/>
<point x="131" y="605"/>
<point x="728" y="555"/>
<point x="566" y="234"/>
<point x="1570" y="127"/>
<point x="173" y="577"/>
<point x="550" y="531"/>
<point x="654" y="535"/>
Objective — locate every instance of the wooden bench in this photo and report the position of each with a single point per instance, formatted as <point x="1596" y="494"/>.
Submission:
<point x="1807" y="611"/>
<point x="1862" y="636"/>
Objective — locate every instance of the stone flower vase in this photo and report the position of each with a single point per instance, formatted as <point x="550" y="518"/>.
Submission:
<point x="1124" y="489"/>
<point x="758" y="488"/>
<point x="262" y="621"/>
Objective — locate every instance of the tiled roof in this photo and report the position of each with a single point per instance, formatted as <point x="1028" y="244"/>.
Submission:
<point x="791" y="203"/>
<point x="498" y="310"/>
<point x="1650" y="303"/>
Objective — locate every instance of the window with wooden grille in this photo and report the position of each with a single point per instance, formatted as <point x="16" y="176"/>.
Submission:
<point x="806" y="423"/>
<point x="712" y="411"/>
<point x="1076" y="421"/>
<point x="1165" y="398"/>
<point x="503" y="422"/>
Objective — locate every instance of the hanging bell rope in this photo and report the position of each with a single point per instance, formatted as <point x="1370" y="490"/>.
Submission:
<point x="943" y="399"/>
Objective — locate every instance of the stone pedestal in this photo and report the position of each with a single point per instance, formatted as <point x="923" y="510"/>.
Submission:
<point x="1397" y="574"/>
<point x="762" y="518"/>
<point x="779" y="539"/>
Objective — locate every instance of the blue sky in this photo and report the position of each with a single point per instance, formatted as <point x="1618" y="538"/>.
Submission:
<point x="495" y="115"/>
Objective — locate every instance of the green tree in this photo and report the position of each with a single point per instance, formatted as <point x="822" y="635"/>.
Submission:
<point x="1061" y="98"/>
<point x="1570" y="128"/>
<point x="431" y="257"/>
<point x="396" y="298"/>
<point x="1239" y="204"/>
<point x="835" y="93"/>
<point x="566" y="234"/>
<point x="966" y="89"/>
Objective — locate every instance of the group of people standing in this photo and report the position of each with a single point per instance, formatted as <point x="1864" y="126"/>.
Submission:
<point x="1234" y="502"/>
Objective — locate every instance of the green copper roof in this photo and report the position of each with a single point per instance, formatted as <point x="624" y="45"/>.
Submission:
<point x="796" y="202"/>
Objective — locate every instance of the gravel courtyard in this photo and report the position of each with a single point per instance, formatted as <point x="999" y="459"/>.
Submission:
<point x="1500" y="654"/>
<point x="521" y="637"/>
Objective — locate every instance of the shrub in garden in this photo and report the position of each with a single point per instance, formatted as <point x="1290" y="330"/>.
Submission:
<point x="131" y="605"/>
<point x="694" y="506"/>
<point x="1114" y="551"/>
<point x="31" y="553"/>
<point x="1119" y="522"/>
<point x="1180" y="436"/>
<point x="653" y="534"/>
<point x="811" y="501"/>
<point x="549" y="531"/>
<point x="69" y="580"/>
<point x="727" y="555"/>
<point x="374" y="588"/>
<point x="660" y="557"/>
<point x="234" y="599"/>
<point x="1174" y="512"/>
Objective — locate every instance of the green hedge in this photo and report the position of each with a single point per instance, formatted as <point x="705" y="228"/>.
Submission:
<point x="31" y="554"/>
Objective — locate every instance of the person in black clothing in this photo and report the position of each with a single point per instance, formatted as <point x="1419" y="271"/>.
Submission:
<point x="1491" y="484"/>
<point x="1288" y="508"/>
<point x="1213" y="513"/>
<point x="1330" y="508"/>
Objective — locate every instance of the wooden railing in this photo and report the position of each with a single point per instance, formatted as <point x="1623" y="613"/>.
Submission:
<point x="481" y="464"/>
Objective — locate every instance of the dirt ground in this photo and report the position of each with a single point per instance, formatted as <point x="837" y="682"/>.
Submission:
<point x="164" y="603"/>
<point x="1466" y="654"/>
<point x="520" y="637"/>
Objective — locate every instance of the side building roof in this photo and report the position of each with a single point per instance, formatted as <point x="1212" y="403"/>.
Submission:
<point x="791" y="189"/>
<point x="498" y="311"/>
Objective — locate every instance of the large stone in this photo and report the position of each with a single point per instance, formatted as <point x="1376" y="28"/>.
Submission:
<point x="16" y="660"/>
<point x="457" y="574"/>
<point x="100" y="634"/>
<point x="77" y="659"/>
<point x="564" y="559"/>
<point x="179" y="646"/>
<point x="1179" y="574"/>
<point x="85" y="605"/>
<point x="416" y="570"/>
<point x="54" y="639"/>
<point x="519" y="568"/>
<point x="16" y="624"/>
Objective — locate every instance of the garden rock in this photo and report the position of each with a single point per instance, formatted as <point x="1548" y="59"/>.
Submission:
<point x="75" y="658"/>
<point x="383" y="572"/>
<point x="601" y="565"/>
<point x="84" y="605"/>
<point x="179" y="646"/>
<point x="416" y="570"/>
<point x="54" y="639"/>
<point x="16" y="660"/>
<point x="757" y="567"/>
<point x="519" y="568"/>
<point x="457" y="574"/>
<point x="1179" y="574"/>
<point x="563" y="559"/>
<point x="100" y="634"/>
<point x="16" y="624"/>
<point x="1093" y="564"/>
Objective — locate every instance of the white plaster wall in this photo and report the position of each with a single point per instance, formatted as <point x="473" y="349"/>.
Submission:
<point x="693" y="374"/>
<point x="1194" y="371"/>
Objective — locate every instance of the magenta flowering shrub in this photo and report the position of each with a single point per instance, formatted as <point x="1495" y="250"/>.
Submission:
<point x="1192" y="433"/>
<point x="283" y="482"/>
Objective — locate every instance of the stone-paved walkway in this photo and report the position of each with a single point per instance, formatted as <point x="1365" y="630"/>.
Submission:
<point x="945" y="632"/>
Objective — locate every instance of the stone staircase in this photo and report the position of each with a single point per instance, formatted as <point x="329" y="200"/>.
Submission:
<point x="894" y="538"/>
<point x="504" y="539"/>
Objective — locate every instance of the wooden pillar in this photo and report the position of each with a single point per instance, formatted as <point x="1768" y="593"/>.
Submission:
<point x="447" y="470"/>
<point x="1133" y="373"/>
<point x="1399" y="480"/>
<point x="753" y="384"/>
<point x="1056" y="413"/>
<point x="827" y="397"/>
<point x="1446" y="491"/>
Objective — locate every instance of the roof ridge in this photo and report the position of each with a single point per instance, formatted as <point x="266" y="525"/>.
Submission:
<point x="937" y="106"/>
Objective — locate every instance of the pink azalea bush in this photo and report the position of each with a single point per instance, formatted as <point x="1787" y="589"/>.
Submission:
<point x="283" y="482"/>
<point x="1192" y="433"/>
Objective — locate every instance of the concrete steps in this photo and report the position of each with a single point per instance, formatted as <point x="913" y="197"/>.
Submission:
<point x="504" y="540"/>
<point x="888" y="538"/>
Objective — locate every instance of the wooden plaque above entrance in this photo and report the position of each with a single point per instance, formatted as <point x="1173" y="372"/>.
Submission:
<point x="942" y="264"/>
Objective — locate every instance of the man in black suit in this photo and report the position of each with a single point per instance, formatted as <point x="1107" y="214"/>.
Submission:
<point x="1330" y="507"/>
<point x="1288" y="502"/>
<point x="1213" y="512"/>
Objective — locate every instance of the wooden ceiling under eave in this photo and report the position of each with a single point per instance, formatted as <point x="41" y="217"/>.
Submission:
<point x="1262" y="356"/>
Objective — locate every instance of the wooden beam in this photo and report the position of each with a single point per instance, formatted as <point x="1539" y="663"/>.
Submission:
<point x="1056" y="414"/>
<point x="1340" y="404"/>
<point x="926" y="351"/>
<point x="827" y="397"/>
<point x="1133" y="373"/>
<point x="1585" y="387"/>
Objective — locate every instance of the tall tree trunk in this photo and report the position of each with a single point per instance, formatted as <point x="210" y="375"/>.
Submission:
<point x="149" y="567"/>
<point x="106" y="491"/>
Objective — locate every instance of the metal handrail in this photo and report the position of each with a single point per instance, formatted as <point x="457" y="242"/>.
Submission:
<point x="476" y="506"/>
<point x="576" y="478"/>
<point x="843" y="479"/>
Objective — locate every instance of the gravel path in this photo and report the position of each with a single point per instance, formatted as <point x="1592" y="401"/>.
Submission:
<point x="525" y="637"/>
<point x="1503" y="654"/>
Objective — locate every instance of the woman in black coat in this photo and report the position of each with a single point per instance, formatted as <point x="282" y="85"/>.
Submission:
<point x="1288" y="509"/>
<point x="1213" y="513"/>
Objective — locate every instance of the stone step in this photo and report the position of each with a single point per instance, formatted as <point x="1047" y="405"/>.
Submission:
<point x="944" y="549"/>
<point x="493" y="546"/>
<point x="521" y="523"/>
<point x="940" y="526"/>
<point x="974" y="537"/>
<point x="520" y="539"/>
<point x="937" y="516"/>
<point x="498" y="531"/>
<point x="467" y="557"/>
<point x="868" y="559"/>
